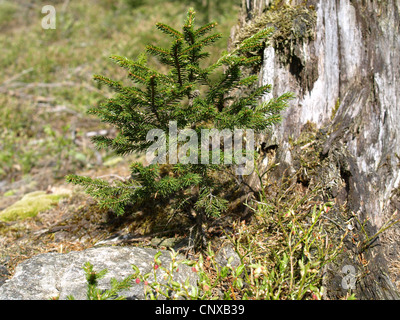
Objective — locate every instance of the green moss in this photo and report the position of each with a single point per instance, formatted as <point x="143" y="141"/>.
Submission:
<point x="335" y="109"/>
<point x="293" y="24"/>
<point x="307" y="135"/>
<point x="9" y="193"/>
<point x="30" y="205"/>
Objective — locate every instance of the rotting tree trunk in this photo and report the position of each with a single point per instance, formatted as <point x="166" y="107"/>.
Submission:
<point x="346" y="81"/>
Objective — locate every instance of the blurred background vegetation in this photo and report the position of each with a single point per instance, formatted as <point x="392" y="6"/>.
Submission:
<point x="46" y="81"/>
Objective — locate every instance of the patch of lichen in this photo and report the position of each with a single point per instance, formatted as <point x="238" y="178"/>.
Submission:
<point x="30" y="205"/>
<point x="293" y="24"/>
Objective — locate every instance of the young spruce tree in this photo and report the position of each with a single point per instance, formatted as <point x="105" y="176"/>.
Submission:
<point x="217" y="96"/>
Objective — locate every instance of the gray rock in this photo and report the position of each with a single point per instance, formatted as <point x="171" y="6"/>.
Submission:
<point x="3" y="274"/>
<point x="54" y="275"/>
<point x="225" y="253"/>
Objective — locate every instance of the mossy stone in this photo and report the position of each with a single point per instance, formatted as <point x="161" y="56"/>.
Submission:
<point x="30" y="205"/>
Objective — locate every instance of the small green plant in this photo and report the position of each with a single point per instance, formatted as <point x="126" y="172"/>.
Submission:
<point x="369" y="239"/>
<point x="196" y="97"/>
<point x="94" y="293"/>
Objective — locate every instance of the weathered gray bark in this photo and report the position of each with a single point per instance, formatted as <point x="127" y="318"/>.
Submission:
<point x="346" y="82"/>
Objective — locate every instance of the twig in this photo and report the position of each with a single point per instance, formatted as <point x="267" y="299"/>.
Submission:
<point x="307" y="145"/>
<point x="64" y="6"/>
<point x="333" y="221"/>
<point x="113" y="176"/>
<point x="57" y="109"/>
<point x="25" y="85"/>
<point x="128" y="238"/>
<point x="17" y="76"/>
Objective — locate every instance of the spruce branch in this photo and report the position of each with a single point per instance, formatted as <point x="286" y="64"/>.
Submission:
<point x="194" y="97"/>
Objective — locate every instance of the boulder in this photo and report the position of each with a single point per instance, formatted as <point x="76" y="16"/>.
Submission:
<point x="56" y="276"/>
<point x="226" y="252"/>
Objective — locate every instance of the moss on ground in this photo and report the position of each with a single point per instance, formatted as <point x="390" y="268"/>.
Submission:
<point x="30" y="205"/>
